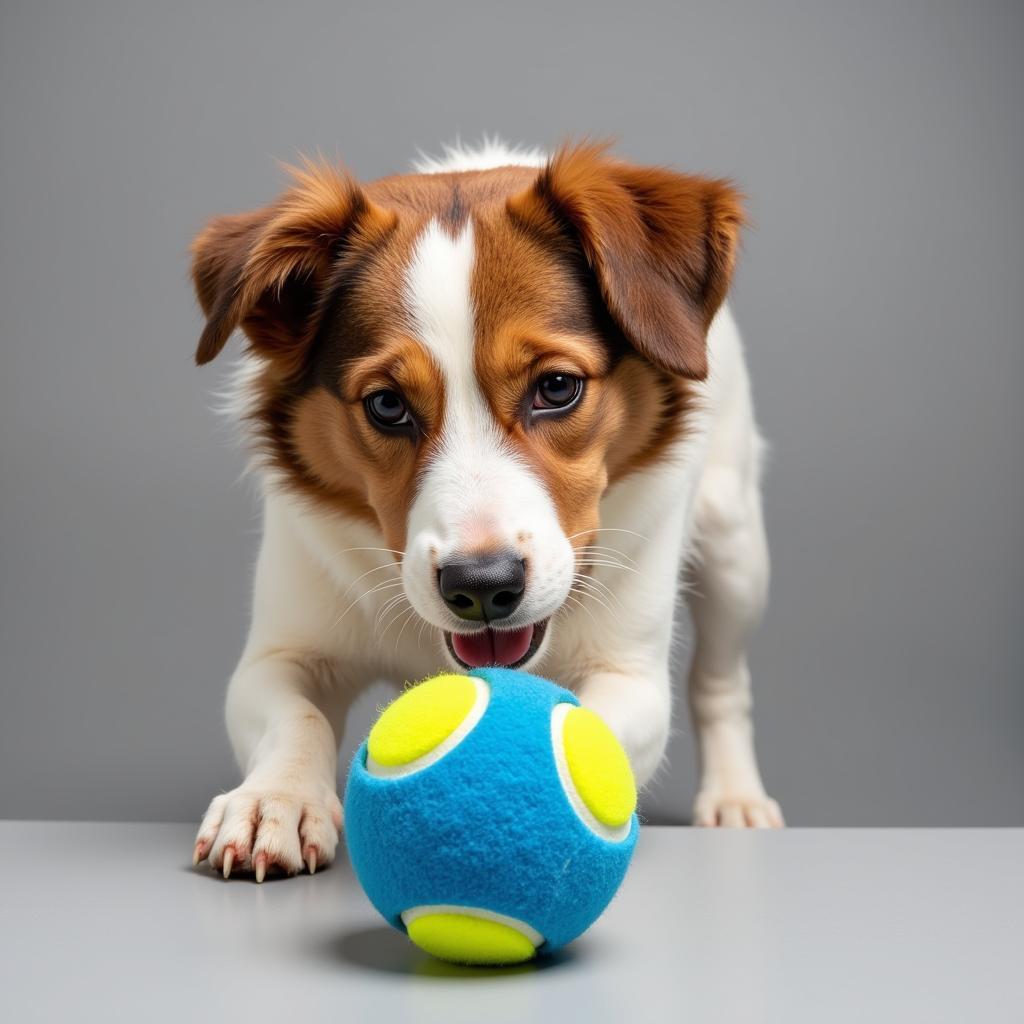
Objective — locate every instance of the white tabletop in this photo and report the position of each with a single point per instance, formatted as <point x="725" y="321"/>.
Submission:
<point x="108" y="922"/>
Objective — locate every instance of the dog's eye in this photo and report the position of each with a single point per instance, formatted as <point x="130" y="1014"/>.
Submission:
<point x="388" y="410"/>
<point x="557" y="391"/>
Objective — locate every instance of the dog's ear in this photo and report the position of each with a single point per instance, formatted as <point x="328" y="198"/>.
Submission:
<point x="661" y="245"/>
<point x="263" y="270"/>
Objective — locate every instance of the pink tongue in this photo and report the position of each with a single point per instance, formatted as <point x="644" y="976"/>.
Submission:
<point x="491" y="648"/>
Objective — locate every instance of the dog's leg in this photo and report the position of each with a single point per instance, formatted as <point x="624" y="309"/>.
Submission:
<point x="615" y="648"/>
<point x="286" y="708"/>
<point x="729" y="583"/>
<point x="284" y="731"/>
<point x="637" y="708"/>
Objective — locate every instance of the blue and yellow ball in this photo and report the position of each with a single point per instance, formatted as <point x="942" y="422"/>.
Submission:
<point x="490" y="816"/>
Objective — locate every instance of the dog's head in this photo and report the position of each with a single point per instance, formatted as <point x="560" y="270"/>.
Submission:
<point x="469" y="360"/>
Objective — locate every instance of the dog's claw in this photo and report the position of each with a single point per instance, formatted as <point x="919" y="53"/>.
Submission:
<point x="259" y="835"/>
<point x="197" y="854"/>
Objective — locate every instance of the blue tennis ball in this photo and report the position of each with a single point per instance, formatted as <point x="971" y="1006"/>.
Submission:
<point x="489" y="816"/>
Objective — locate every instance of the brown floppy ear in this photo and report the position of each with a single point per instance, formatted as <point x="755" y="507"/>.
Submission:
<point x="263" y="270"/>
<point x="662" y="246"/>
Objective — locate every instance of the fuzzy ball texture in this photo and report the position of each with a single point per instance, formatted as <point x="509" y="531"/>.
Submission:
<point x="489" y="816"/>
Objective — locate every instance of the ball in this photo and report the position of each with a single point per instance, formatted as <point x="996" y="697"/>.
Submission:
<point x="490" y="816"/>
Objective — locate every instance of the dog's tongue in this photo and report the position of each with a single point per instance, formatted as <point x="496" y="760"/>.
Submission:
<point x="492" y="648"/>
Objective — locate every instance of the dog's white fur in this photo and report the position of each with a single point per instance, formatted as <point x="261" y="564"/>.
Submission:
<point x="476" y="485"/>
<point x="488" y="154"/>
<point x="333" y="611"/>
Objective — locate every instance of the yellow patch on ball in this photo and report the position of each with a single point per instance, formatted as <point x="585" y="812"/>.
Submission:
<point x="467" y="939"/>
<point x="598" y="767"/>
<point x="420" y="720"/>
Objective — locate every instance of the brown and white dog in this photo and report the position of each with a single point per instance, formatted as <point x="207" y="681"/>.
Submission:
<point x="500" y="413"/>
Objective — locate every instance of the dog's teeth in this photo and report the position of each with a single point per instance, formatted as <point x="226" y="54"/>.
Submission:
<point x="261" y="869"/>
<point x="229" y="857"/>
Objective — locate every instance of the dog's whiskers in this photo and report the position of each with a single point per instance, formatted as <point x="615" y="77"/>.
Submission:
<point x="607" y="563"/>
<point x="334" y="555"/>
<point x="593" y="581"/>
<point x="386" y="551"/>
<point x="376" y="568"/>
<point x="398" y="613"/>
<point x="379" y="588"/>
<point x="419" y="636"/>
<point x="579" y="604"/>
<point x="603" y="551"/>
<point x="385" y="609"/>
<point x="409" y="617"/>
<point x="594" y="595"/>
<point x="608" y="529"/>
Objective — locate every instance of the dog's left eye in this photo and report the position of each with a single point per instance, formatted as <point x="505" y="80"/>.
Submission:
<point x="557" y="391"/>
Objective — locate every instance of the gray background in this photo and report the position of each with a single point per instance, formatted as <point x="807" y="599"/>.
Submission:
<point x="880" y="294"/>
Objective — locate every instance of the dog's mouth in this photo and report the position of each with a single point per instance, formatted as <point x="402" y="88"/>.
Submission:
<point x="505" y="648"/>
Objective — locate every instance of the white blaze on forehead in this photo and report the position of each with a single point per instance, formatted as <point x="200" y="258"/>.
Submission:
<point x="437" y="291"/>
<point x="438" y="294"/>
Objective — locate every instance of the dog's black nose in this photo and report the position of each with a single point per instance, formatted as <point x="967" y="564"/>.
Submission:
<point x="485" y="588"/>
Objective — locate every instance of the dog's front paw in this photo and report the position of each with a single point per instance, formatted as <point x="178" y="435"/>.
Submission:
<point x="258" y="829"/>
<point x="716" y="808"/>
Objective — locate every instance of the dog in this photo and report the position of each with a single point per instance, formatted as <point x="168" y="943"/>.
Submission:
<point x="500" y="414"/>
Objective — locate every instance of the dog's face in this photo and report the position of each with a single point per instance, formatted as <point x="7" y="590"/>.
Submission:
<point x="469" y="360"/>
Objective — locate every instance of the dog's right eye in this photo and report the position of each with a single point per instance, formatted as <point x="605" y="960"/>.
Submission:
<point x="387" y="410"/>
<point x="557" y="392"/>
